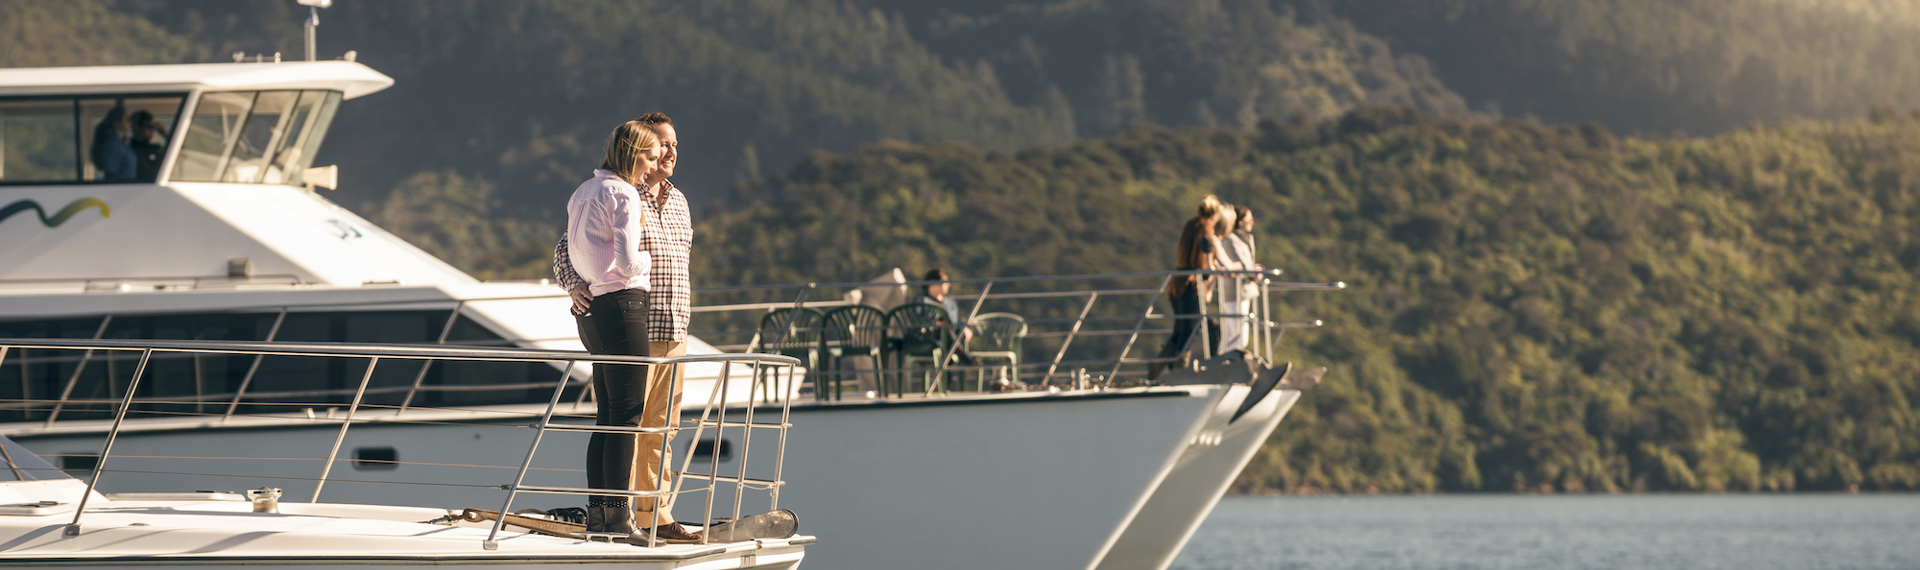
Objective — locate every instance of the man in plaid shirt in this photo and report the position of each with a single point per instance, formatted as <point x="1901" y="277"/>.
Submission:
<point x="668" y="239"/>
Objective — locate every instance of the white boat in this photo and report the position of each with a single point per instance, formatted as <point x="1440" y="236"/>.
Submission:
<point x="230" y="241"/>
<point x="49" y="518"/>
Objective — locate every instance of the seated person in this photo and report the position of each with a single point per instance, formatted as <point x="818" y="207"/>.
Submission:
<point x="936" y="294"/>
<point x="146" y="151"/>
<point x="111" y="153"/>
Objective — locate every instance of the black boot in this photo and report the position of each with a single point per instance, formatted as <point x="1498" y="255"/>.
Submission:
<point x="616" y="519"/>
<point x="596" y="518"/>
<point x="619" y="519"/>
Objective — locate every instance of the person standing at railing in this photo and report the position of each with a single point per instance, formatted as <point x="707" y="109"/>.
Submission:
<point x="605" y="229"/>
<point x="1236" y="292"/>
<point x="1198" y="242"/>
<point x="668" y="243"/>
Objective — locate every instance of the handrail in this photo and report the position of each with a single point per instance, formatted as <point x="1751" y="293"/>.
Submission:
<point x="1069" y="329"/>
<point x="401" y="351"/>
<point x="377" y="352"/>
<point x="1026" y="279"/>
<point x="86" y="283"/>
<point x="1259" y="326"/>
<point x="437" y="302"/>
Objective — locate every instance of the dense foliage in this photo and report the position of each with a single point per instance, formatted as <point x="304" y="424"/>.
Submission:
<point x="1702" y="66"/>
<point x="1174" y="62"/>
<point x="1534" y="307"/>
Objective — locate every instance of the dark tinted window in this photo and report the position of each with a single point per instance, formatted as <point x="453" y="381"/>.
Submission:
<point x="74" y="139"/>
<point x="31" y="381"/>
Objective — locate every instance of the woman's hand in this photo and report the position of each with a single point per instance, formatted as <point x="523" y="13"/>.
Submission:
<point x="581" y="300"/>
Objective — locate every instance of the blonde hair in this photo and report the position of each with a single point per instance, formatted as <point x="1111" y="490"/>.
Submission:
<point x="1209" y="206"/>
<point x="1229" y="216"/>
<point x="629" y="141"/>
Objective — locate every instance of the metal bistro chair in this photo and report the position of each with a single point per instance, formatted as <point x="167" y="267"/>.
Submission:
<point x="922" y="339"/>
<point x="801" y="341"/>
<point x="997" y="336"/>
<point x="853" y="330"/>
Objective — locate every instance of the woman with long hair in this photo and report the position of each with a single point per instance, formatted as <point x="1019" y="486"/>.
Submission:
<point x="1237" y="292"/>
<point x="1199" y="239"/>
<point x="605" y="230"/>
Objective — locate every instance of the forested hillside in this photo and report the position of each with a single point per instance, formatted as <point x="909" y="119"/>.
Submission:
<point x="1174" y="62"/>
<point x="1657" y="66"/>
<point x="1533" y="307"/>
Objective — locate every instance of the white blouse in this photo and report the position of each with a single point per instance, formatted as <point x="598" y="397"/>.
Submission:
<point x="604" y="228"/>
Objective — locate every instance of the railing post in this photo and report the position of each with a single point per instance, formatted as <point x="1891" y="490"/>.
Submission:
<point x="954" y="332"/>
<point x="540" y="430"/>
<point x="99" y="465"/>
<point x="1117" y="361"/>
<point x="77" y="369"/>
<point x="719" y="436"/>
<point x="1266" y="319"/>
<point x="422" y="377"/>
<point x="26" y="382"/>
<point x="686" y="463"/>
<point x="23" y="377"/>
<point x="666" y="440"/>
<point x="337" y="439"/>
<point x="1200" y="327"/>
<point x="799" y="302"/>
<point x="746" y="449"/>
<point x="248" y="380"/>
<point x="780" y="455"/>
<point x="1069" y="342"/>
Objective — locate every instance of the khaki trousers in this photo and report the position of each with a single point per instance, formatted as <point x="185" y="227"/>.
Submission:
<point x="662" y="408"/>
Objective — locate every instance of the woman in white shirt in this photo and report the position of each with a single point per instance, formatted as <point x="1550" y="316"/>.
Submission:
<point x="604" y="235"/>
<point x="1237" y="292"/>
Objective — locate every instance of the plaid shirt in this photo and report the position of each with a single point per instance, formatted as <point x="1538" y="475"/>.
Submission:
<point x="668" y="240"/>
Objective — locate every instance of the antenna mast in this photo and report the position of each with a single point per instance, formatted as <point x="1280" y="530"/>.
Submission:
<point x="313" y="25"/>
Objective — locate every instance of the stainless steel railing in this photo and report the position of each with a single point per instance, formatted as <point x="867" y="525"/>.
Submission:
<point x="761" y="367"/>
<point x="1067" y="345"/>
<point x="1075" y="298"/>
<point x="281" y="311"/>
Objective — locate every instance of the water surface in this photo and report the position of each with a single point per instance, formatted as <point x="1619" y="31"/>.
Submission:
<point x="1611" y="532"/>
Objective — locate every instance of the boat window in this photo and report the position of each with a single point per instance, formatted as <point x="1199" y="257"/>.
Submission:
<point x="214" y="126"/>
<point x="305" y="128"/>
<point x="248" y="163"/>
<point x="176" y="383"/>
<point x="254" y="137"/>
<point x="85" y="139"/>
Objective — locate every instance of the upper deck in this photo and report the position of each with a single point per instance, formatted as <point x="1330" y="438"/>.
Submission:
<point x="201" y="172"/>
<point x="351" y="79"/>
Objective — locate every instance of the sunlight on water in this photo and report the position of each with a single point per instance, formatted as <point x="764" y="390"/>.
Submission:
<point x="1611" y="532"/>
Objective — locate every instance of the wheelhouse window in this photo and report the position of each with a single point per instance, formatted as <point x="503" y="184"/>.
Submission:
<point x="103" y="139"/>
<point x="254" y="137"/>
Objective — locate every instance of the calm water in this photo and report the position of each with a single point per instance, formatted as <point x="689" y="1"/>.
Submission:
<point x="1612" y="532"/>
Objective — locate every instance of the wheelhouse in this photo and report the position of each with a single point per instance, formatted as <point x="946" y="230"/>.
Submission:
<point x="241" y="123"/>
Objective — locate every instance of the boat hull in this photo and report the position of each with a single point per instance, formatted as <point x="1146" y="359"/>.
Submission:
<point x="962" y="482"/>
<point x="1201" y="476"/>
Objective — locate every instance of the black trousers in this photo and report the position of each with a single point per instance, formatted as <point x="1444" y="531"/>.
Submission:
<point x="1187" y="307"/>
<point x="615" y="323"/>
